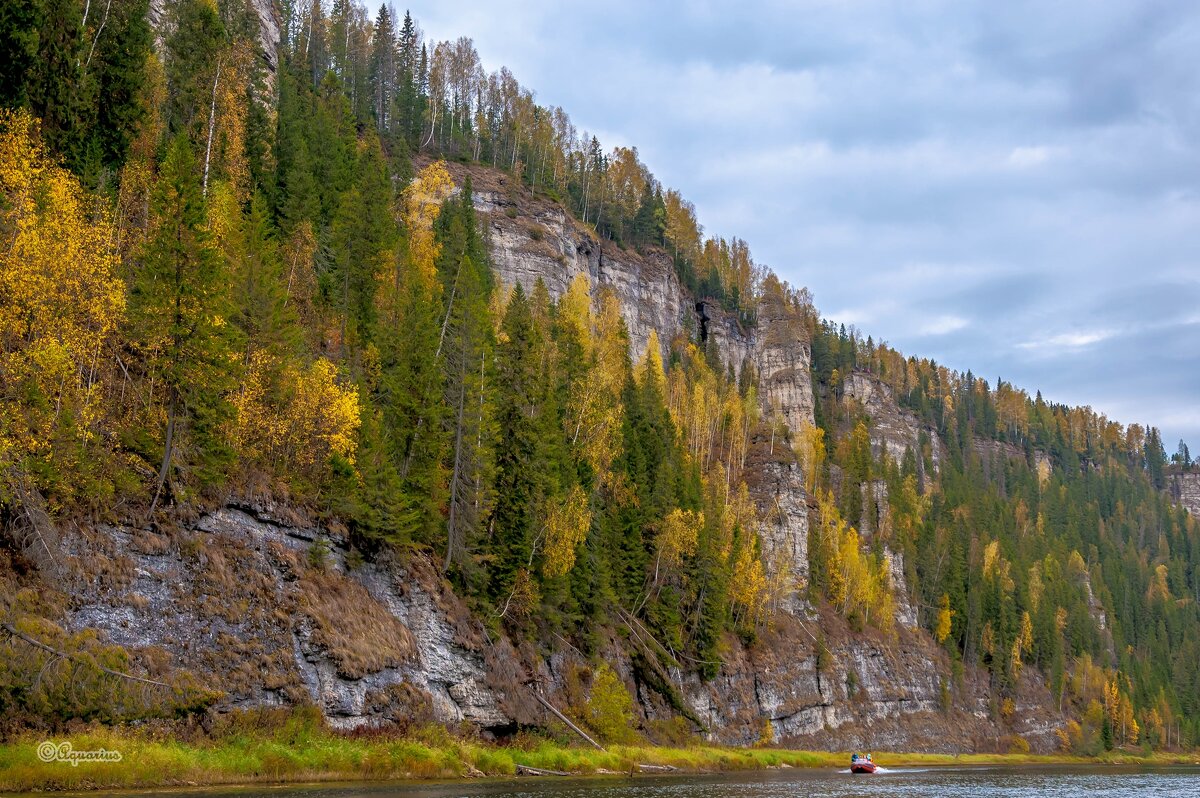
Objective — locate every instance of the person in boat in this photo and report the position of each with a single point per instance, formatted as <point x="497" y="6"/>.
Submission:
<point x="853" y="758"/>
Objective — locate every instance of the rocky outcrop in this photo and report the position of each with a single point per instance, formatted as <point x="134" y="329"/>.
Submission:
<point x="783" y="358"/>
<point x="894" y="430"/>
<point x="260" y="606"/>
<point x="993" y="453"/>
<point x="777" y="487"/>
<point x="1184" y="489"/>
<point x="252" y="601"/>
<point x="870" y="692"/>
<point x="533" y="240"/>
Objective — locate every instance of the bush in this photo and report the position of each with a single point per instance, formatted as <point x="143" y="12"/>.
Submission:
<point x="610" y="708"/>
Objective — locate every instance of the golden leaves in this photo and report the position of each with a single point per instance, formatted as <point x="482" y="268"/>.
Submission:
<point x="677" y="536"/>
<point x="996" y="567"/>
<point x="810" y="449"/>
<point x="856" y="583"/>
<point x="594" y="408"/>
<point x="420" y="203"/>
<point x="945" y="617"/>
<point x="294" y="418"/>
<point x="59" y="296"/>
<point x="567" y="524"/>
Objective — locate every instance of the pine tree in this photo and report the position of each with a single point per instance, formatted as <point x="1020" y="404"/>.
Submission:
<point x="55" y="78"/>
<point x="523" y="442"/>
<point x="116" y="65"/>
<point x="467" y="348"/>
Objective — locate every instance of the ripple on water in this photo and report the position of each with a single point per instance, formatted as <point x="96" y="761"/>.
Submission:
<point x="969" y="782"/>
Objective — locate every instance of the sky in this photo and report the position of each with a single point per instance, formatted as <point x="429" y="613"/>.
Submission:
<point x="1008" y="187"/>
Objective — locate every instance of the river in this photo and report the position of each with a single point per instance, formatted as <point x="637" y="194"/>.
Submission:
<point x="940" y="782"/>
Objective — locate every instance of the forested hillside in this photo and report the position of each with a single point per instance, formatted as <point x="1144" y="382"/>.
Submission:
<point x="226" y="276"/>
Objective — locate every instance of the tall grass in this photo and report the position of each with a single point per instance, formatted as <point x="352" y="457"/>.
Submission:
<point x="301" y="749"/>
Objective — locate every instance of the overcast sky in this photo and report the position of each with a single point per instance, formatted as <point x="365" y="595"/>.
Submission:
<point x="1010" y="187"/>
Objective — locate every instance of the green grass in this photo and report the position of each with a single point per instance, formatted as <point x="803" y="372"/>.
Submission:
<point x="306" y="752"/>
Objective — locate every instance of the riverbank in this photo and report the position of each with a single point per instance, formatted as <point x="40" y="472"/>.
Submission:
<point x="298" y="752"/>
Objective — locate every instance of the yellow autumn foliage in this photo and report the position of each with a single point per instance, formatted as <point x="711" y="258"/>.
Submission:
<point x="60" y="298"/>
<point x="748" y="588"/>
<point x="810" y="449"/>
<point x="567" y="524"/>
<point x="945" y="618"/>
<point x="677" y="536"/>
<point x="594" y="408"/>
<point x="292" y="419"/>
<point x="855" y="582"/>
<point x="420" y="204"/>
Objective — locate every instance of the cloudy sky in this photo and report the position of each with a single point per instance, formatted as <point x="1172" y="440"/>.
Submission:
<point x="1011" y="187"/>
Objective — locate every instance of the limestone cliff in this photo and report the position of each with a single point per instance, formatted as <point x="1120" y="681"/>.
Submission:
<point x="1184" y="489"/>
<point x="894" y="430"/>
<point x="248" y="597"/>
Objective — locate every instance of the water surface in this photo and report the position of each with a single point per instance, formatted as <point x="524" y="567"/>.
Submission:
<point x="941" y="782"/>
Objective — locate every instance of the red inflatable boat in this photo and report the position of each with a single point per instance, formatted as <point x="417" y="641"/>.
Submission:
<point x="862" y="766"/>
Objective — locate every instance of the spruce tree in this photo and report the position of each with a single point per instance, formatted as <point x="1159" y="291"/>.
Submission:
<point x="179" y="306"/>
<point x="21" y="22"/>
<point x="520" y="447"/>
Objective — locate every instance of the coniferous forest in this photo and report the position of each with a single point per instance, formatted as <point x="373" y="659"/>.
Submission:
<point x="228" y="272"/>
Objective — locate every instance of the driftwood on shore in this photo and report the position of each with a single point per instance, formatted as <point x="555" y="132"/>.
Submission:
<point x="525" y="770"/>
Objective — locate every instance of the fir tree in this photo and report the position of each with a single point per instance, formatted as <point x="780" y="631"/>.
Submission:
<point x="179" y="304"/>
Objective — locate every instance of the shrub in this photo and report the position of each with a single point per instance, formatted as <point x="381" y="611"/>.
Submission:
<point x="610" y="707"/>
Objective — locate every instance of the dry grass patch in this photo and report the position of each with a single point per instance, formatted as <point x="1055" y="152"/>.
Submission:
<point x="359" y="632"/>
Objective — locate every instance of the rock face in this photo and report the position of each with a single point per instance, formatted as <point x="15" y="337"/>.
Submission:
<point x="238" y="597"/>
<point x="894" y="430"/>
<point x="784" y="360"/>
<point x="534" y="240"/>
<point x="777" y="487"/>
<point x="1184" y="487"/>
<point x="251" y="602"/>
<point x="870" y="693"/>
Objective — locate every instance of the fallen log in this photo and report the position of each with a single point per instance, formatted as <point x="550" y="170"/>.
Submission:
<point x="525" y="770"/>
<point x="657" y="768"/>
<point x="563" y="718"/>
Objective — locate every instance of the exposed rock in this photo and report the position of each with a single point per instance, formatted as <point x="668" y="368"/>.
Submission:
<point x="537" y="240"/>
<point x="894" y="430"/>
<point x="777" y="487"/>
<point x="905" y="614"/>
<point x="784" y="359"/>
<point x="227" y="599"/>
<point x="531" y="239"/>
<point x="875" y="693"/>
<point x="1184" y="488"/>
<point x="992" y="453"/>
